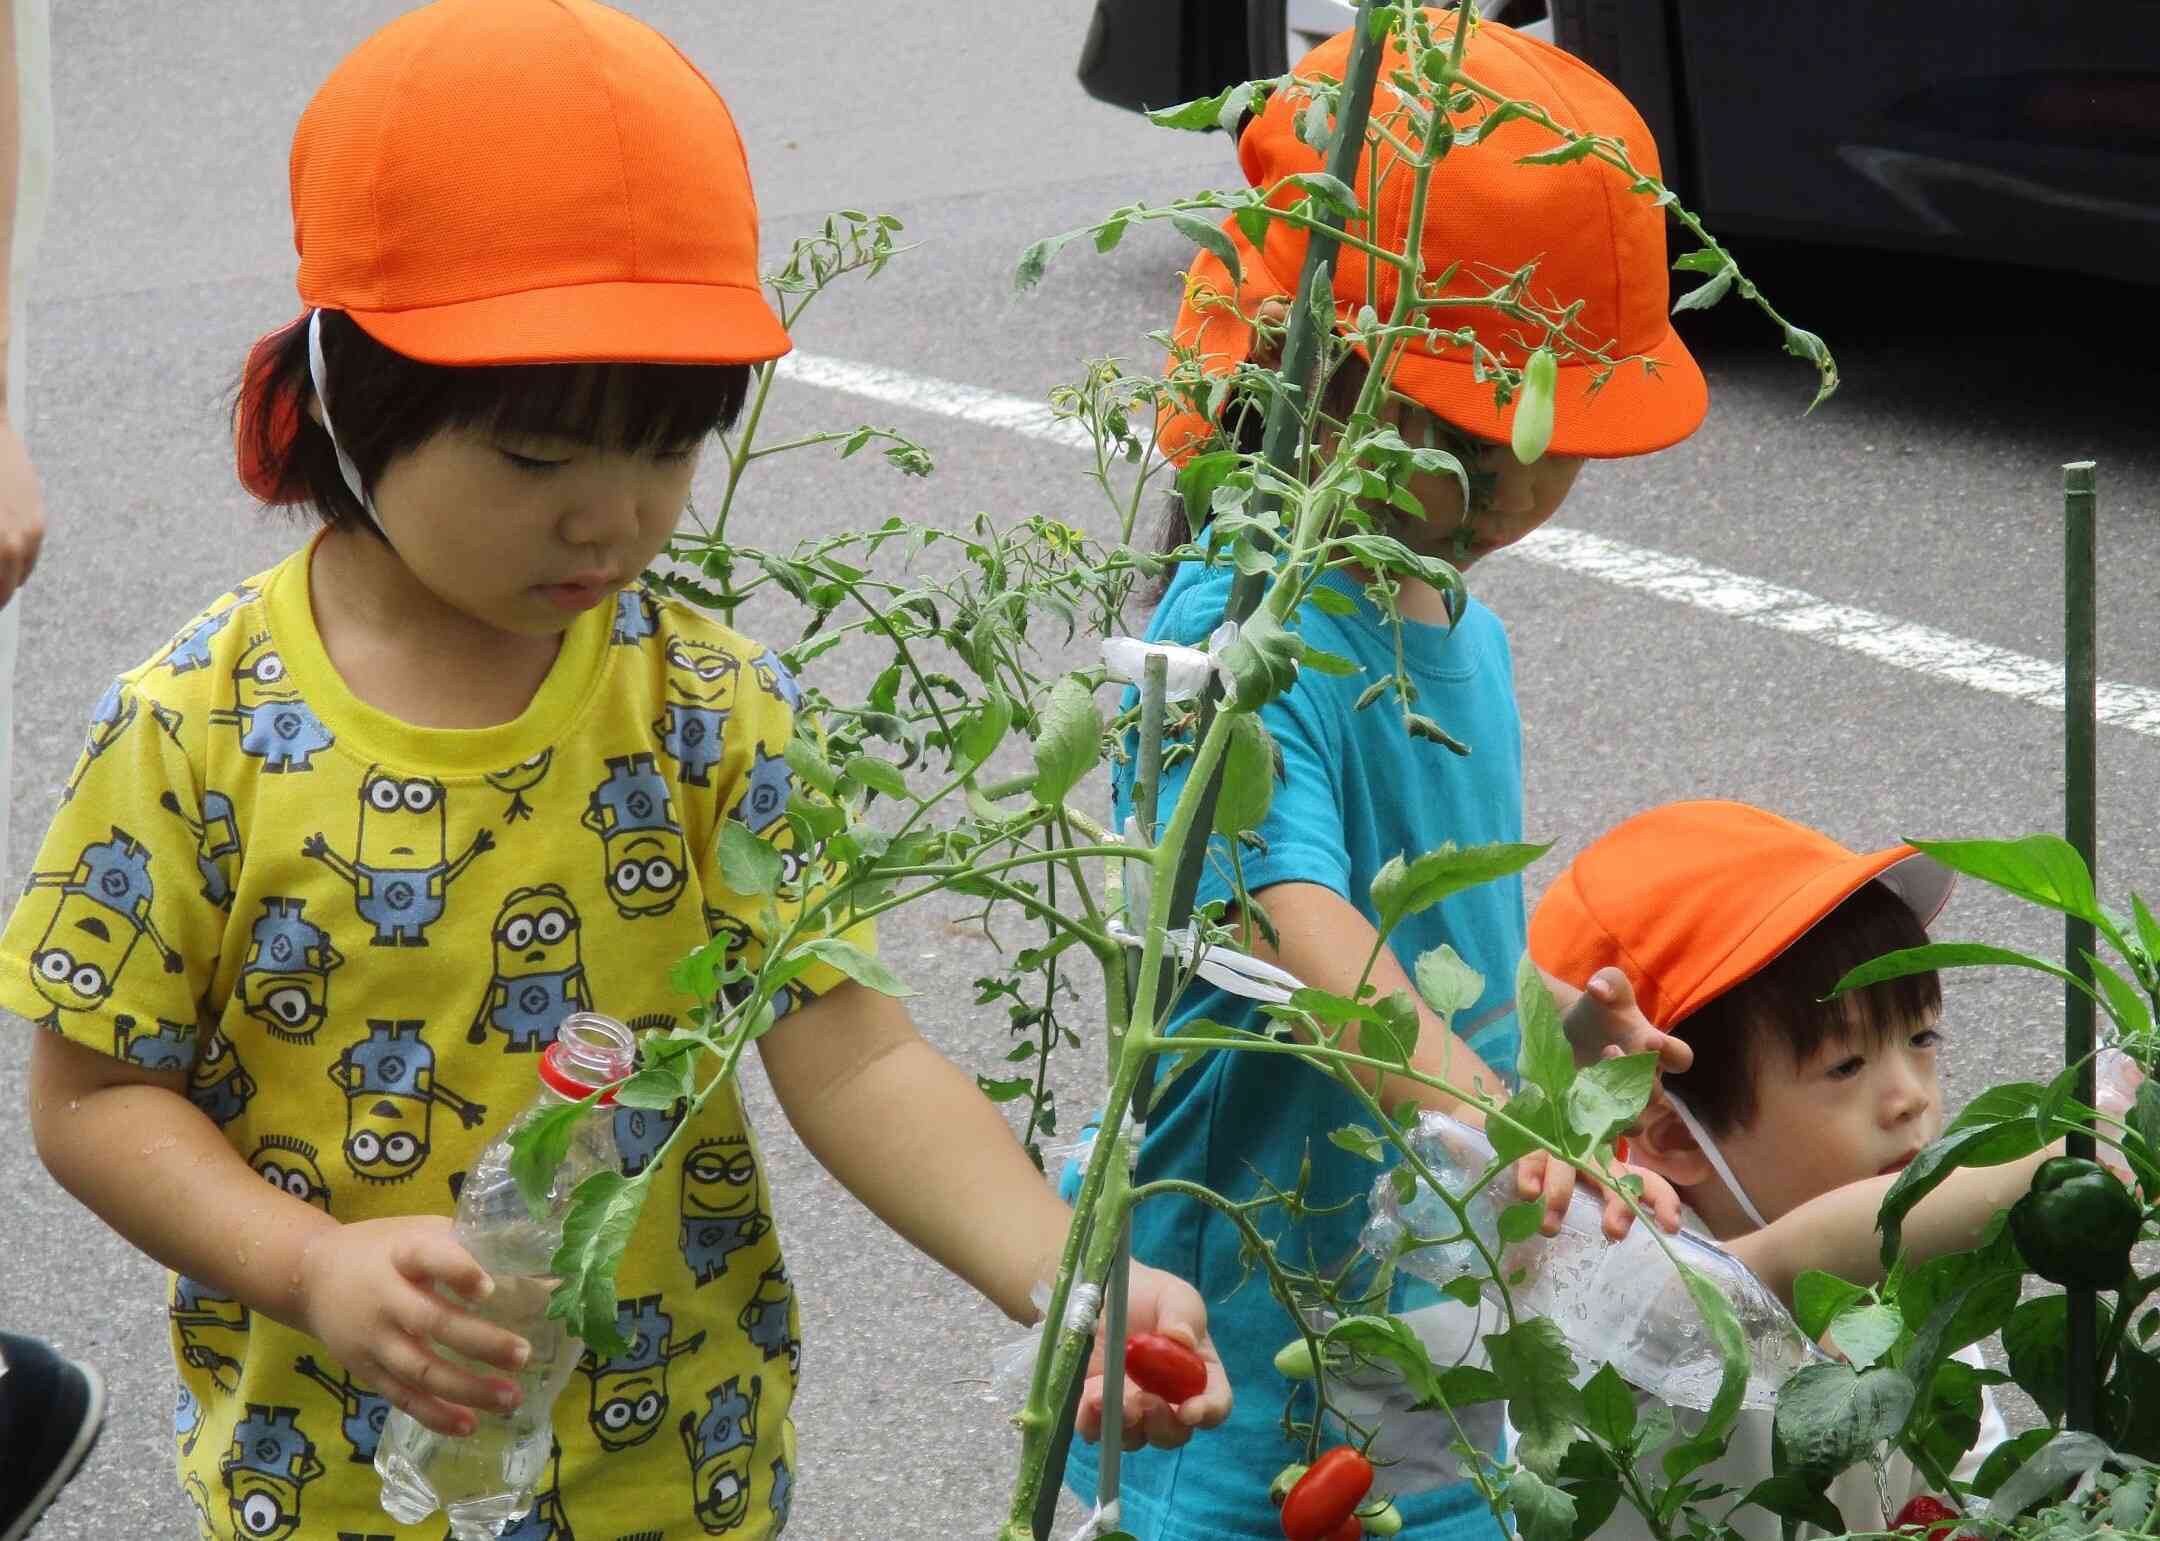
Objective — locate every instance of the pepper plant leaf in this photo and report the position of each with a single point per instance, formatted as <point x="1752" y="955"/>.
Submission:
<point x="1831" y="1415"/>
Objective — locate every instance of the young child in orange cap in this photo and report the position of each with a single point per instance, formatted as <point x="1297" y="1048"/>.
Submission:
<point x="337" y="862"/>
<point x="1731" y="925"/>
<point x="1357" y="790"/>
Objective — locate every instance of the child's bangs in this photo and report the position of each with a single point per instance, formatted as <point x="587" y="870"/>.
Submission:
<point x="1873" y="922"/>
<point x="630" y="407"/>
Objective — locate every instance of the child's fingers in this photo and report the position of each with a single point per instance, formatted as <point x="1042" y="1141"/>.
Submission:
<point x="1559" y="1190"/>
<point x="481" y="1340"/>
<point x="432" y="1375"/>
<point x="430" y="1259"/>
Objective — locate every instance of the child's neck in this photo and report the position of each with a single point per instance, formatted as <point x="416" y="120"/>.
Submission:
<point x="403" y="651"/>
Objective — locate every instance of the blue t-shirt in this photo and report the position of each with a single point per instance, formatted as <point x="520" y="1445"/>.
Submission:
<point x="1356" y="790"/>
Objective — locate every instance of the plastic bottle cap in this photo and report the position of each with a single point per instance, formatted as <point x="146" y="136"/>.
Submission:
<point x="589" y="1051"/>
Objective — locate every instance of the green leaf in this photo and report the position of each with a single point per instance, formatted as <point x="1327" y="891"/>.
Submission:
<point x="2007" y="1458"/>
<point x="2148" y="929"/>
<point x="1211" y="238"/>
<point x="1546" y="1059"/>
<point x="1866" y="1333"/>
<point x="1691" y="1455"/>
<point x="2040" y="869"/>
<point x="1717" y="1315"/>
<point x="1534" y="1366"/>
<point x="1359" y="1141"/>
<point x="1531" y="1109"/>
<point x="1559" y="155"/>
<point x="1331" y="191"/>
<point x="658" y="1086"/>
<point x="603" y="1212"/>
<point x="1011" y="1089"/>
<point x="1942" y="955"/>
<point x="809" y="765"/>
<point x="1831" y="1415"/>
<point x="1706" y="293"/>
<point x="1404" y="888"/>
<point x="1791" y="1496"/>
<point x="1394" y="1036"/>
<point x="1703" y="259"/>
<point x="1068" y="742"/>
<point x="1262" y="662"/>
<point x="1542" y="1512"/>
<point x="1819" y="1298"/>
<point x="1609" y="1408"/>
<point x="2037" y="1339"/>
<point x="879" y="775"/>
<point x="1200" y="114"/>
<point x="1332" y="664"/>
<point x="1037" y="258"/>
<point x="538" y="1149"/>
<point x="1248" y="777"/>
<point x="1610" y="1095"/>
<point x="747" y="864"/>
<point x="2123" y="1000"/>
<point x="1448" y="984"/>
<point x="1520" y="1222"/>
<point x="981" y="731"/>
<point x="1995" y="1127"/>
<point x="858" y="965"/>
<point x="1330" y="601"/>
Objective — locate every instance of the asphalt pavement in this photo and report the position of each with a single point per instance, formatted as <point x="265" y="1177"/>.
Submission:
<point x="1927" y="491"/>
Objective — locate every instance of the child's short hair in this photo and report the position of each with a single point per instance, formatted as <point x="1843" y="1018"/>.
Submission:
<point x="1778" y="1018"/>
<point x="1732" y="923"/>
<point x="386" y="404"/>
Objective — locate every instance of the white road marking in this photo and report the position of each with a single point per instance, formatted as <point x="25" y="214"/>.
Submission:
<point x="1683" y="580"/>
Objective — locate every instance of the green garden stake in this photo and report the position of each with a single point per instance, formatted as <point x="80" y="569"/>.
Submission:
<point x="2080" y="825"/>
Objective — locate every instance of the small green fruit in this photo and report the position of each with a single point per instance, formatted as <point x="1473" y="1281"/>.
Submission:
<point x="1294" y="1360"/>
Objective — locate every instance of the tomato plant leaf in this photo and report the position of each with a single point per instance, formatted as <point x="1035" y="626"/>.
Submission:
<point x="1542" y="1511"/>
<point x="603" y="1212"/>
<point x="1610" y="1095"/>
<point x="860" y="966"/>
<point x="1248" y="777"/>
<point x="1538" y="1373"/>
<point x="1068" y="740"/>
<point x="1403" y="888"/>
<point x="1448" y="984"/>
<point x="747" y="864"/>
<point x="537" y="1150"/>
<point x="1546" y="1059"/>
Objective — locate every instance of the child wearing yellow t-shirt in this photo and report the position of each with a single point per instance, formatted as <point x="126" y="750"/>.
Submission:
<point x="338" y="861"/>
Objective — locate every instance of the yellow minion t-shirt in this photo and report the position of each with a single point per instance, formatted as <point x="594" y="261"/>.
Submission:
<point x="356" y="935"/>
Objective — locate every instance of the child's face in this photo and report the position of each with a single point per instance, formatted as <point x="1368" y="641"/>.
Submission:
<point x="1508" y="499"/>
<point x="524" y="533"/>
<point x="1858" y="1108"/>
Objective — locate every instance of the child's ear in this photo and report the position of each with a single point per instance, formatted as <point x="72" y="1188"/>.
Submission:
<point x="1662" y="1143"/>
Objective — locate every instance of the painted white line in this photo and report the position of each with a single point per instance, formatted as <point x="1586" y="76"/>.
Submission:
<point x="1683" y="580"/>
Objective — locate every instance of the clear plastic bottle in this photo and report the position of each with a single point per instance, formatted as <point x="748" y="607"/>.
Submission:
<point x="486" y="1481"/>
<point x="1618" y="1302"/>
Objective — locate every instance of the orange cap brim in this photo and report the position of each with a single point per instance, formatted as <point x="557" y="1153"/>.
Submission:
<point x="603" y="323"/>
<point x="1635" y="411"/>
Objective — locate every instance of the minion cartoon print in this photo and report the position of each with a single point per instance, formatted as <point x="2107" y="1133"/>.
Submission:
<point x="217" y="842"/>
<point x="198" y="1502"/>
<point x="768" y="1321"/>
<point x="266" y="1468"/>
<point x="276" y="726"/>
<point x="719" y="1446"/>
<point x="636" y="617"/>
<point x="102" y="912"/>
<point x="287" y="1163"/>
<point x="388" y="1079"/>
<point x="539" y="974"/>
<point x="774" y="679"/>
<point x="191" y="649"/>
<point x="219" y="1084"/>
<point x="629" y="1391"/>
<point x="171" y="1047"/>
<point x="187" y="1419"/>
<point x="401" y="869"/>
<point x="641" y="845"/>
<point x="640" y="1132"/>
<point x="546" y="1520"/>
<point x="783" y="1494"/>
<point x="765" y="799"/>
<point x="700" y="694"/>
<point x="284" y="981"/>
<point x="212" y="1330"/>
<point x="720" y="1214"/>
<point x="112" y="716"/>
<point x="361" y="1414"/>
<point x="520" y="779"/>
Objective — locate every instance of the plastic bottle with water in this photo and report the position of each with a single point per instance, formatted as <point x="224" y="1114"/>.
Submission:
<point x="486" y="1481"/>
<point x="1617" y="1301"/>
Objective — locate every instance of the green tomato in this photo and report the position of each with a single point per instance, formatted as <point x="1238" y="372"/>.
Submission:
<point x="1294" y="1360"/>
<point x="1383" y="1521"/>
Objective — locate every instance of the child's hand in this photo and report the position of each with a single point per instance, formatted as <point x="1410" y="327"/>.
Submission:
<point x="1604" y="1016"/>
<point x="367" y="1291"/>
<point x="1159" y="1302"/>
<point x="1553" y="1179"/>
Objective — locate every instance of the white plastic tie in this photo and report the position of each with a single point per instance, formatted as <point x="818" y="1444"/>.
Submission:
<point x="1125" y="658"/>
<point x="1224" y="967"/>
<point x="1082" y="1307"/>
<point x="1218" y="643"/>
<point x="1717" y="1159"/>
<point x="1103" y="1521"/>
<point x="319" y="373"/>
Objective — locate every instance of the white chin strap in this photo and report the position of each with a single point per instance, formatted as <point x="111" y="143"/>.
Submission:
<point x="1717" y="1160"/>
<point x="318" y="373"/>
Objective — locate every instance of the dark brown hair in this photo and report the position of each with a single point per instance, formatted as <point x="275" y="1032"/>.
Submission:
<point x="386" y="405"/>
<point x="1777" y="1020"/>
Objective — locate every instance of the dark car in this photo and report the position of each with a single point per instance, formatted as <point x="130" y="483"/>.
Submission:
<point x="2005" y="130"/>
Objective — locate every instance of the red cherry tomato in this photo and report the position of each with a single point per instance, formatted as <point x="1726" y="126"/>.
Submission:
<point x="1930" y="1515"/>
<point x="1325" y="1498"/>
<point x="1165" y="1366"/>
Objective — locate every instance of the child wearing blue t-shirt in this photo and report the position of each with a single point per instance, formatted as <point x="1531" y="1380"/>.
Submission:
<point x="1356" y="790"/>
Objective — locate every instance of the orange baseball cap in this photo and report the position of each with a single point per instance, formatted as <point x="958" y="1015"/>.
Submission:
<point x="1692" y="898"/>
<point x="1593" y="241"/>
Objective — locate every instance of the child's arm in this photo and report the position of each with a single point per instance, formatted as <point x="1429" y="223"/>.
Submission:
<point x="1325" y="941"/>
<point x="907" y="1133"/>
<point x="1835" y="1232"/>
<point x="128" y="1143"/>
